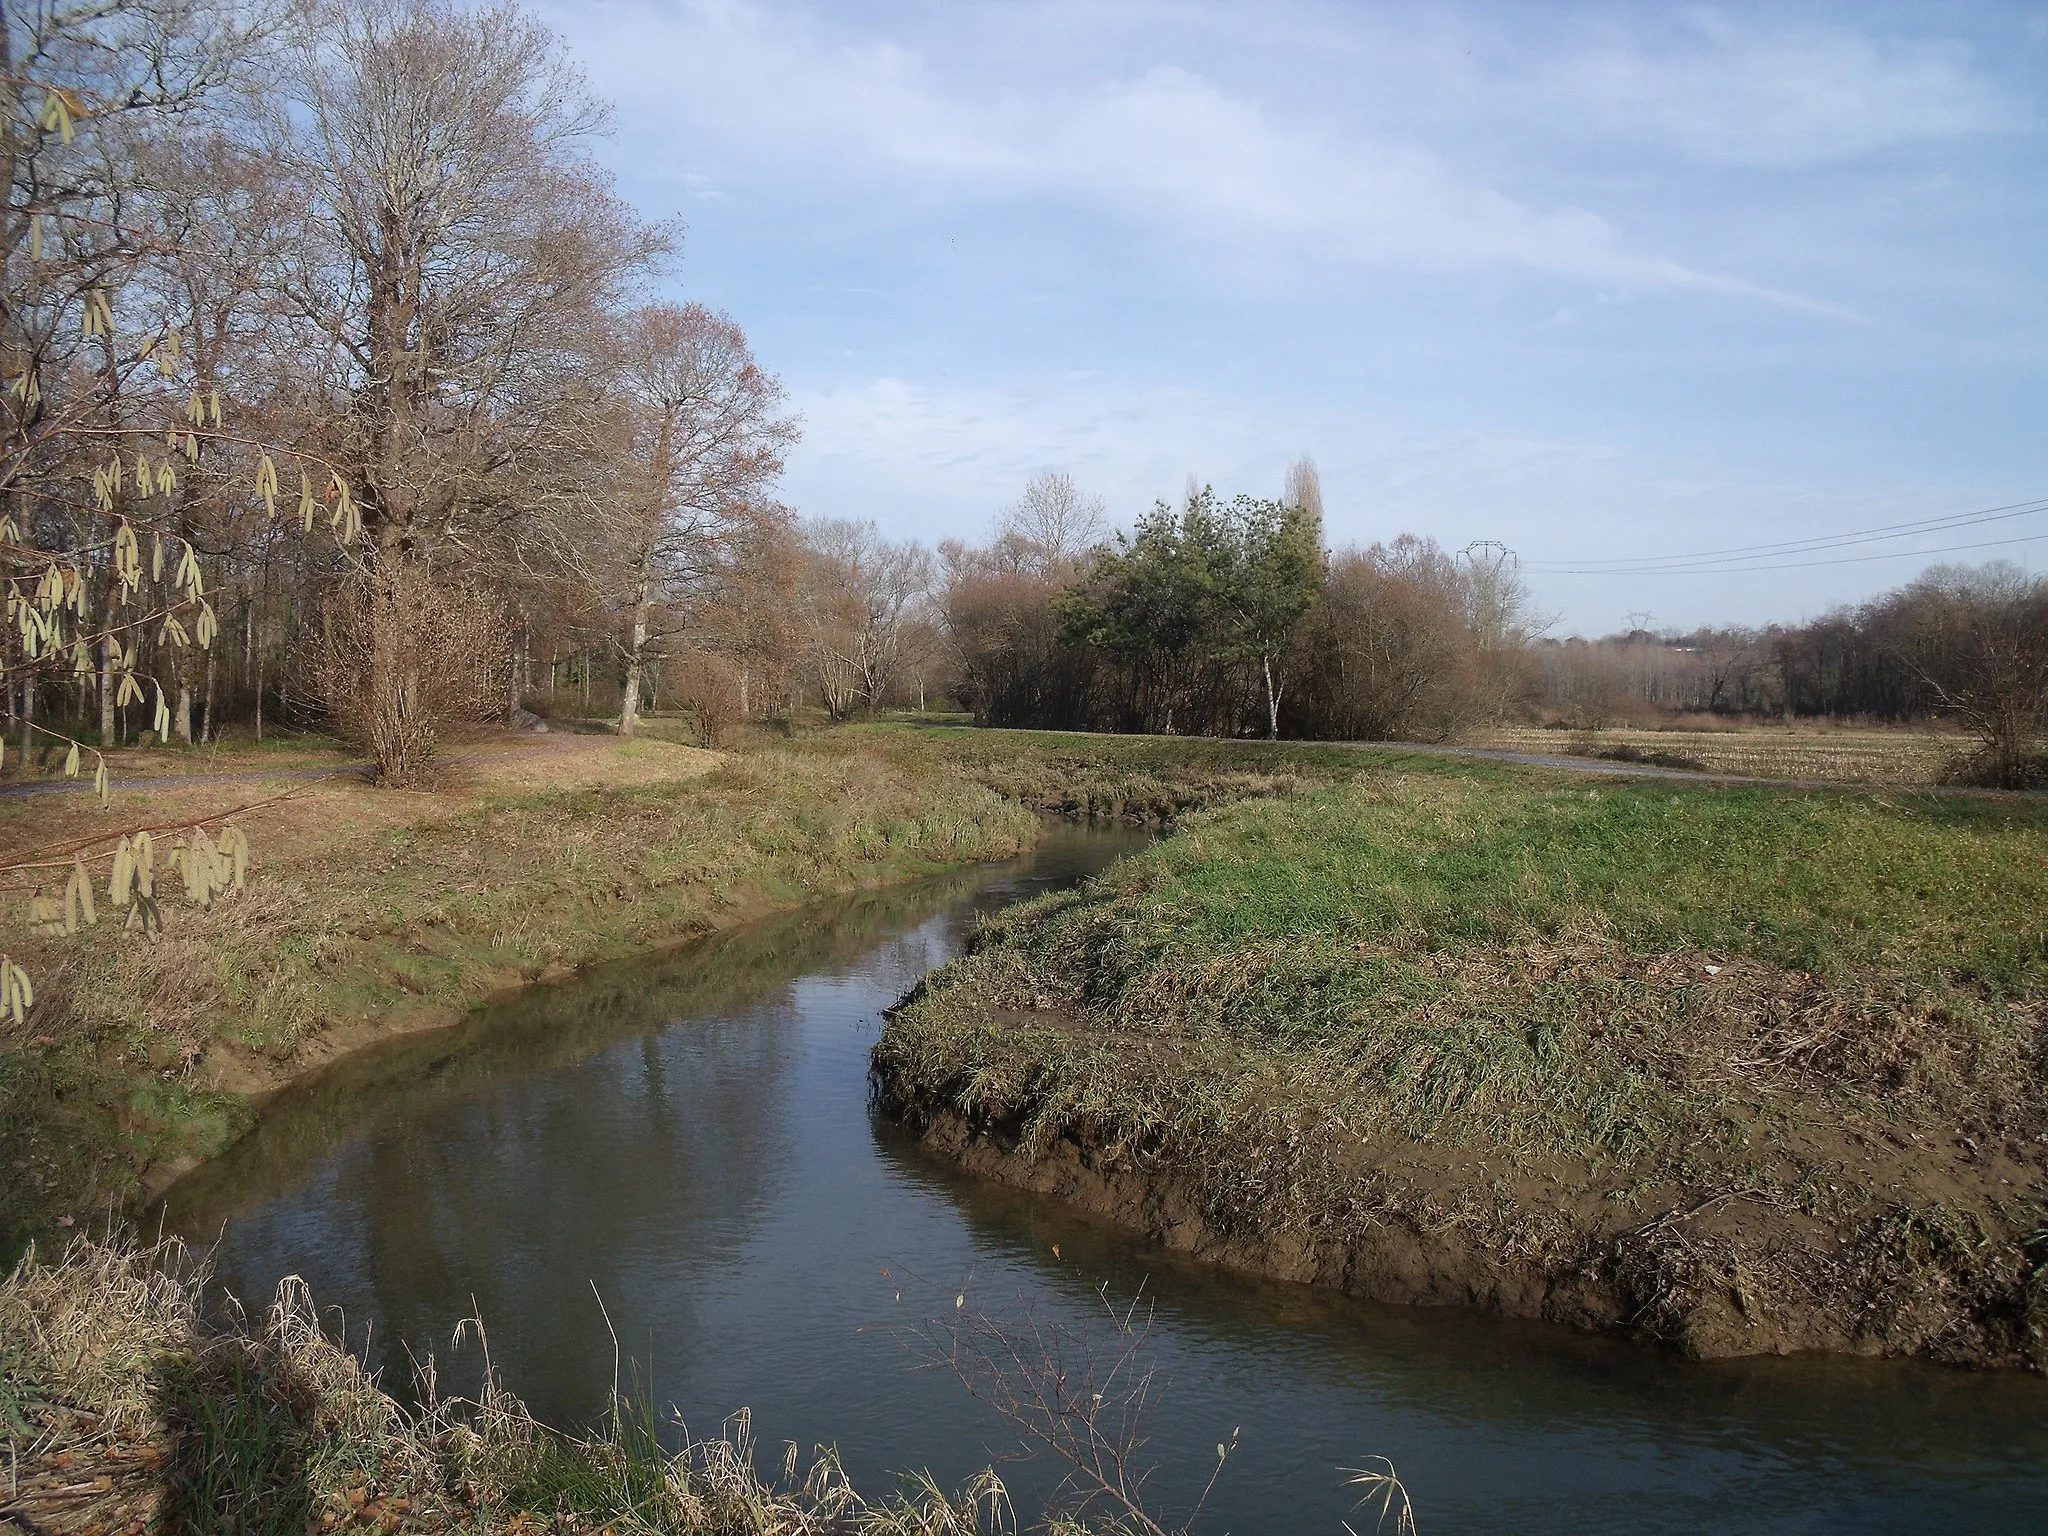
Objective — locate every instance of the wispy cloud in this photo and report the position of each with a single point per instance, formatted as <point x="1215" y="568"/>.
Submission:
<point x="1167" y="149"/>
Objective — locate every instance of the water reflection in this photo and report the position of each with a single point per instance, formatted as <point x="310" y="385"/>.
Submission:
<point x="690" y="1136"/>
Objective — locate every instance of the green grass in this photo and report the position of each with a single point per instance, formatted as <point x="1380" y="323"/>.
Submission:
<point x="1934" y="887"/>
<point x="1638" y="993"/>
<point x="1136" y="778"/>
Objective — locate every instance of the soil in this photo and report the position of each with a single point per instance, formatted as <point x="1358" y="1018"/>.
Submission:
<point x="1718" y="1276"/>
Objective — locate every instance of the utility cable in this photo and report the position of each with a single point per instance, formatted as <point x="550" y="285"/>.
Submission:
<point x="1709" y="559"/>
<point x="1798" y="565"/>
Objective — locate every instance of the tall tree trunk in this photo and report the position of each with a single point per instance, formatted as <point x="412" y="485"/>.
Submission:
<point x="261" y="655"/>
<point x="206" y="708"/>
<point x="107" y="742"/>
<point x="636" y="655"/>
<point x="1272" y="700"/>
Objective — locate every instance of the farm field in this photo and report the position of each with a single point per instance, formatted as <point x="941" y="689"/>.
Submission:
<point x="1878" y="756"/>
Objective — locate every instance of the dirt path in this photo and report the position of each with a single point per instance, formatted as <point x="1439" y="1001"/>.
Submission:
<point x="362" y="769"/>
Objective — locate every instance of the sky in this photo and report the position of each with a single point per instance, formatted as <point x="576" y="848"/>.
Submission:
<point x="1596" y="282"/>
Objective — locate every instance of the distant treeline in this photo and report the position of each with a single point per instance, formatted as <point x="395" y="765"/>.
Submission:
<point x="1233" y="618"/>
<point x="1920" y="652"/>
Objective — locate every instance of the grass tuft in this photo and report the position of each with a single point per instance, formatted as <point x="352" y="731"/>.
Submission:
<point x="133" y="1396"/>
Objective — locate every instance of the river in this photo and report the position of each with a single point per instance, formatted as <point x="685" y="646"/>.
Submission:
<point x="689" y="1138"/>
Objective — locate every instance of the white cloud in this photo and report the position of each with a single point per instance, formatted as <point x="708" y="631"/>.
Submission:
<point x="939" y="462"/>
<point x="1161" y="147"/>
<point x="1173" y="145"/>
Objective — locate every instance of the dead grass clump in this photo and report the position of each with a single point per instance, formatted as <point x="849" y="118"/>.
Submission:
<point x="132" y="1397"/>
<point x="94" y="1328"/>
<point x="1986" y="768"/>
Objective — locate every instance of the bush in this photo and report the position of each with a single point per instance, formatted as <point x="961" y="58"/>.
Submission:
<point x="709" y="699"/>
<point x="396" y="654"/>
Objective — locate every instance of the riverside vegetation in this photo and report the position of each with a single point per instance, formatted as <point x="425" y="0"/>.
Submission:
<point x="128" y="1403"/>
<point x="370" y="913"/>
<point x="129" y="1399"/>
<point x="1737" y="1069"/>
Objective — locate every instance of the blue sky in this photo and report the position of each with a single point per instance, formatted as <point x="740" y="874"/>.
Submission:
<point x="1597" y="281"/>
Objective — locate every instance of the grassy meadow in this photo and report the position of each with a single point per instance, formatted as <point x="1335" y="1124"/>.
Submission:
<point x="1737" y="1068"/>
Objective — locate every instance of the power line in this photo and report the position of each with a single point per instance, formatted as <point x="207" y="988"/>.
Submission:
<point x="1706" y="560"/>
<point x="1797" y="565"/>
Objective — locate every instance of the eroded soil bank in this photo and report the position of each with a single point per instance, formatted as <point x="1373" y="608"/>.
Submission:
<point x="1690" y="1276"/>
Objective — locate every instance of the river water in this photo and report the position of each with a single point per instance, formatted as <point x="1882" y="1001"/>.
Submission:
<point x="689" y="1138"/>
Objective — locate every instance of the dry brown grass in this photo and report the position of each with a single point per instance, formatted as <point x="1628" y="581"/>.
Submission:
<point x="321" y="815"/>
<point x="1809" y="753"/>
<point x="134" y="1398"/>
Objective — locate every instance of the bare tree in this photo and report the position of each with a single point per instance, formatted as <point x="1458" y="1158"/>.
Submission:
<point x="863" y="600"/>
<point x="1978" y="639"/>
<point x="460" y="251"/>
<point x="702" y="443"/>
<point x="1303" y="487"/>
<point x="1053" y="524"/>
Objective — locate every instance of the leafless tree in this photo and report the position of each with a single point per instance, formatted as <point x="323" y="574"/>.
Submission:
<point x="703" y="440"/>
<point x="1978" y="639"/>
<point x="1053" y="524"/>
<point x="460" y="253"/>
<point x="863" y="600"/>
<point x="1303" y="487"/>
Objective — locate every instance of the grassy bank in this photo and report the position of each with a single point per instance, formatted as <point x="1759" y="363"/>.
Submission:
<point x="371" y="912"/>
<point x="1154" y="779"/>
<point x="133" y="1396"/>
<point x="1737" y="1069"/>
<point x="374" y="912"/>
<point x="129" y="1403"/>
